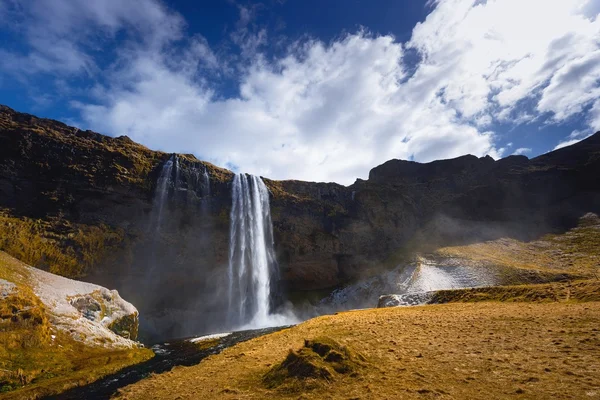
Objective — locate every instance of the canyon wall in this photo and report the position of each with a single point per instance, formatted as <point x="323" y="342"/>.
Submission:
<point x="81" y="204"/>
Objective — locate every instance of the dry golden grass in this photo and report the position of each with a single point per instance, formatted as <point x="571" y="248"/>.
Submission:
<point x="576" y="251"/>
<point x="577" y="291"/>
<point x="462" y="351"/>
<point x="57" y="246"/>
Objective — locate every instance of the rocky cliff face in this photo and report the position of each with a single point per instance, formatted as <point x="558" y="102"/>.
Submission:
<point x="332" y="233"/>
<point x="82" y="204"/>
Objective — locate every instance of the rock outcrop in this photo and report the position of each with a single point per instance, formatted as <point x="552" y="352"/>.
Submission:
<point x="78" y="203"/>
<point x="57" y="333"/>
<point x="404" y="300"/>
<point x="87" y="313"/>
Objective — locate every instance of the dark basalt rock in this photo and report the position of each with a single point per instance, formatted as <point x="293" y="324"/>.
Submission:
<point x="63" y="182"/>
<point x="410" y="172"/>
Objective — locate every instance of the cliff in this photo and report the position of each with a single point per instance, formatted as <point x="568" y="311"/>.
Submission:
<point x="78" y="203"/>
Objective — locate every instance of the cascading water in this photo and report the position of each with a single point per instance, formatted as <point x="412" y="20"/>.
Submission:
<point x="177" y="173"/>
<point x="205" y="205"/>
<point x="206" y="183"/>
<point x="162" y="191"/>
<point x="251" y="253"/>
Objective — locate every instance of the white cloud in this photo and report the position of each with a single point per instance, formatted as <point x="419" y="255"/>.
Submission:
<point x="249" y="39"/>
<point x="321" y="113"/>
<point x="573" y="86"/>
<point x="504" y="51"/>
<point x="594" y="116"/>
<point x="521" y="150"/>
<point x="332" y="111"/>
<point x="577" y="134"/>
<point x="63" y="34"/>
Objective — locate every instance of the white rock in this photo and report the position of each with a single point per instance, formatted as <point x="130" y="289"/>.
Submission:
<point x="209" y="337"/>
<point x="84" y="310"/>
<point x="6" y="288"/>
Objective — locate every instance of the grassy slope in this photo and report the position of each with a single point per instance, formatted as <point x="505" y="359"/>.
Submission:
<point x="32" y="363"/>
<point x="576" y="251"/>
<point x="56" y="245"/>
<point x="577" y="291"/>
<point x="480" y="350"/>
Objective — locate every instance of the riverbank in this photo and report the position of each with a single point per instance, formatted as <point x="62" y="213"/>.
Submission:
<point x="181" y="352"/>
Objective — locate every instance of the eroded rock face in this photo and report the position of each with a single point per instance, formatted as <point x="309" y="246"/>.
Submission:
<point x="91" y="197"/>
<point x="106" y="307"/>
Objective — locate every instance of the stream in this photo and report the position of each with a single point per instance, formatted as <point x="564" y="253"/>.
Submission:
<point x="167" y="355"/>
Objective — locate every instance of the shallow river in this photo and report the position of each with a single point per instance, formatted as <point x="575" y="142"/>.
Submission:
<point x="167" y="356"/>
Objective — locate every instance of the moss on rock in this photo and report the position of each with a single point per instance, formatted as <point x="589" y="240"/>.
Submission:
<point x="126" y="326"/>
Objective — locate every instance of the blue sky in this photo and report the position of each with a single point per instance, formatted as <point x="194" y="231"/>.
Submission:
<point x="313" y="90"/>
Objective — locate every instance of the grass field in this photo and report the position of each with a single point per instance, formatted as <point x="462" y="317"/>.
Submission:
<point x="460" y="350"/>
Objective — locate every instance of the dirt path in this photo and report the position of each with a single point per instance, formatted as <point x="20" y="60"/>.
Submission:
<point x="463" y="351"/>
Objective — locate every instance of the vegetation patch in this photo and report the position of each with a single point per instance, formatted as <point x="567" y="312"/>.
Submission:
<point x="576" y="251"/>
<point x="319" y="361"/>
<point x="56" y="245"/>
<point x="37" y="368"/>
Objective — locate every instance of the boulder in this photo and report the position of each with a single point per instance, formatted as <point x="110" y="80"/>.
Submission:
<point x="89" y="313"/>
<point x="403" y="300"/>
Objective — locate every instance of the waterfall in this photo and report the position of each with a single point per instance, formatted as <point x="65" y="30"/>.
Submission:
<point x="251" y="253"/>
<point x="177" y="173"/>
<point x="206" y="193"/>
<point x="162" y="191"/>
<point x="206" y="183"/>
